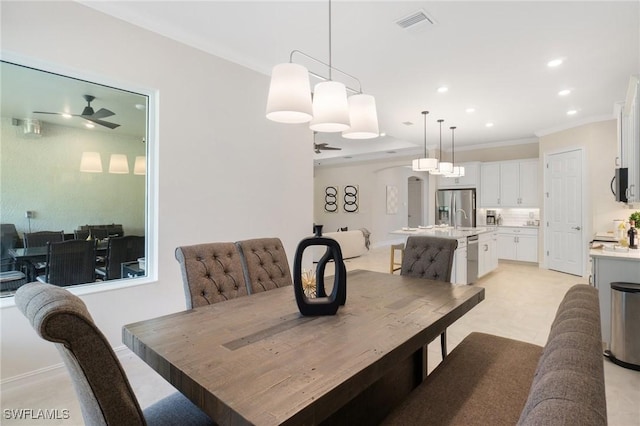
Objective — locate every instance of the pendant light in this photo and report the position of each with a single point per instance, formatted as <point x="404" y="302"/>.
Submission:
<point x="91" y="162"/>
<point x="363" y="117"/>
<point x="425" y="164"/>
<point x="330" y="105"/>
<point x="289" y="99"/>
<point x="458" y="171"/>
<point x="443" y="167"/>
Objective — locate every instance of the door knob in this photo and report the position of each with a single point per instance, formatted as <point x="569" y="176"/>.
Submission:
<point x="577" y="228"/>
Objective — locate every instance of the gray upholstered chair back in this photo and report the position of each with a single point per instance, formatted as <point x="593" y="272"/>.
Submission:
<point x="266" y="264"/>
<point x="429" y="257"/>
<point x="100" y="382"/>
<point x="211" y="273"/>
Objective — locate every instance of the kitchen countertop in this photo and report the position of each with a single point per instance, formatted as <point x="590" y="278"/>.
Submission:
<point x="632" y="254"/>
<point x="445" y="231"/>
<point x="518" y="226"/>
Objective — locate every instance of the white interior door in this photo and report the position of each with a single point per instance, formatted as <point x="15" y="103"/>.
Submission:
<point x="414" y="202"/>
<point x="564" y="228"/>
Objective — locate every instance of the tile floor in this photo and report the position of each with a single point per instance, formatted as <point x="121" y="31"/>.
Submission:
<point x="520" y="302"/>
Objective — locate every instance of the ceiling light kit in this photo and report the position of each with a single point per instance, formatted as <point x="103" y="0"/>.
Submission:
<point x="289" y="100"/>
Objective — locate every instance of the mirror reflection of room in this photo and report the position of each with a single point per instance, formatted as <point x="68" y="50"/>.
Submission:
<point x="73" y="170"/>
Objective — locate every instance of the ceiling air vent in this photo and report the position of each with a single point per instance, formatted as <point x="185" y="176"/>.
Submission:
<point x="417" y="18"/>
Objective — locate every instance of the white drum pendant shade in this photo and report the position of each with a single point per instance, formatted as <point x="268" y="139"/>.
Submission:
<point x="289" y="98"/>
<point x="330" y="107"/>
<point x="458" y="171"/>
<point x="363" y="117"/>
<point x="118" y="164"/>
<point x="446" y="168"/>
<point x="424" y="164"/>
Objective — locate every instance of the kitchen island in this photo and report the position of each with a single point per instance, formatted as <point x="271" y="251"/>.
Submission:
<point x="485" y="258"/>
<point x="612" y="266"/>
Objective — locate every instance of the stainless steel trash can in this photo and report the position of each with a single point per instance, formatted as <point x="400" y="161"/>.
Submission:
<point x="625" y="324"/>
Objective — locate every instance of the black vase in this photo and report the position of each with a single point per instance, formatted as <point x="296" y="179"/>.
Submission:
<point x="322" y="304"/>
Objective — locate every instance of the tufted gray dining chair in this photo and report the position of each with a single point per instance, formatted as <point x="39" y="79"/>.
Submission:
<point x="265" y="264"/>
<point x="106" y="397"/>
<point x="211" y="273"/>
<point x="431" y="258"/>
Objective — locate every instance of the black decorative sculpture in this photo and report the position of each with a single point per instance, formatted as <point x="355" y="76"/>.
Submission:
<point x="321" y="304"/>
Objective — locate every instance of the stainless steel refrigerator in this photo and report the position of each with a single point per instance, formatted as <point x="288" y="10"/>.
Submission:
<point x="456" y="207"/>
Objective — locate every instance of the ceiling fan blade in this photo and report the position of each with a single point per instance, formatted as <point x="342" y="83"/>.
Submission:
<point x="102" y="123"/>
<point x="45" y="112"/>
<point x="102" y="113"/>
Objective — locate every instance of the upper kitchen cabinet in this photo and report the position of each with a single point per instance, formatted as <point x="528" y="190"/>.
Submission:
<point x="629" y="146"/>
<point x="471" y="178"/>
<point x="509" y="184"/>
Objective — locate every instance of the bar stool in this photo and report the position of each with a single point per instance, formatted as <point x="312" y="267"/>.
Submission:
<point x="393" y="264"/>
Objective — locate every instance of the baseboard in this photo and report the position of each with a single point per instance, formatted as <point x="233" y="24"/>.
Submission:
<point x="31" y="378"/>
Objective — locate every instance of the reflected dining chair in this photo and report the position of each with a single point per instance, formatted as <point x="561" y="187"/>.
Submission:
<point x="430" y="258"/>
<point x="41" y="238"/>
<point x="211" y="273"/>
<point x="119" y="251"/>
<point x="9" y="239"/>
<point x="105" y="394"/>
<point x="265" y="264"/>
<point x="70" y="262"/>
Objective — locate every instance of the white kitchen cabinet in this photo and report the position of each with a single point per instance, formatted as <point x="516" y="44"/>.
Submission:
<point x="471" y="178"/>
<point x="509" y="184"/>
<point x="487" y="253"/>
<point x="629" y="139"/>
<point x="490" y="185"/>
<point x="518" y="243"/>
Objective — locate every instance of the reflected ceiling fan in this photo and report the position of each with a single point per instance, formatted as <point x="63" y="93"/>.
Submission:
<point x="89" y="114"/>
<point x="317" y="147"/>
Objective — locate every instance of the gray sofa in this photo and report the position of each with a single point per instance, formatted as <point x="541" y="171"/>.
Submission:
<point x="492" y="380"/>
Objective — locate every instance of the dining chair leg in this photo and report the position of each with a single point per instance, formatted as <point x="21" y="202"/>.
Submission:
<point x="443" y="343"/>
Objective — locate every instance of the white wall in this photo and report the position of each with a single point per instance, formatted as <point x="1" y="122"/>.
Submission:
<point x="225" y="172"/>
<point x="43" y="175"/>
<point x="372" y="180"/>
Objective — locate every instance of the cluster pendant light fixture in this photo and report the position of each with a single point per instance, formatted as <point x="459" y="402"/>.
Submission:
<point x="425" y="164"/>
<point x="289" y="100"/>
<point x="432" y="165"/>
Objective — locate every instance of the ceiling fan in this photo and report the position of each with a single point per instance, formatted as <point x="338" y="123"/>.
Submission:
<point x="324" y="147"/>
<point x="89" y="114"/>
<point x="317" y="147"/>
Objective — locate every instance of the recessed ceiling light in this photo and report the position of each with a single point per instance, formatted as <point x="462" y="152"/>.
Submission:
<point x="140" y="107"/>
<point x="66" y="115"/>
<point x="470" y="110"/>
<point x="564" y="92"/>
<point x="391" y="152"/>
<point x="89" y="125"/>
<point x="555" y="62"/>
<point x="382" y="134"/>
<point x="443" y="89"/>
<point x="407" y="123"/>
<point x="348" y="157"/>
<point x="572" y="112"/>
<point x="489" y="124"/>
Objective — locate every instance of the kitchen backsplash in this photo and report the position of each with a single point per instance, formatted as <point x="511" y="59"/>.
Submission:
<point x="510" y="217"/>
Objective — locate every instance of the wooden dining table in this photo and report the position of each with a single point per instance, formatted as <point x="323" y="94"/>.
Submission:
<point x="256" y="360"/>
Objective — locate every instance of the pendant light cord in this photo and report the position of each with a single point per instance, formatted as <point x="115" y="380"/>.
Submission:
<point x="330" y="64"/>
<point x="425" y="132"/>
<point x="440" y="156"/>
<point x="453" y="149"/>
